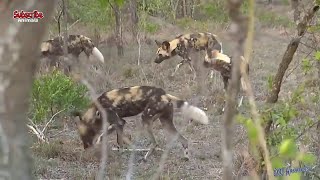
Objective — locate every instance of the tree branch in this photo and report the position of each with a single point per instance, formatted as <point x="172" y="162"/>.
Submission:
<point x="288" y="55"/>
<point x="18" y="61"/>
<point x="238" y="33"/>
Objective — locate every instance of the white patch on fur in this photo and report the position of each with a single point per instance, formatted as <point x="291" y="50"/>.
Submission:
<point x="194" y="113"/>
<point x="44" y="46"/>
<point x="221" y="48"/>
<point x="223" y="57"/>
<point x="96" y="53"/>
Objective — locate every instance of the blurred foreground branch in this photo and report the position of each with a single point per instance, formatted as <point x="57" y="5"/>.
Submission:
<point x="19" y="44"/>
<point x="238" y="34"/>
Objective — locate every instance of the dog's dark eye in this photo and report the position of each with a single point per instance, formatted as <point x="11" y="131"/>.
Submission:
<point x="160" y="55"/>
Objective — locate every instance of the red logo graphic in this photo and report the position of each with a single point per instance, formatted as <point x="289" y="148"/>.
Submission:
<point x="27" y="16"/>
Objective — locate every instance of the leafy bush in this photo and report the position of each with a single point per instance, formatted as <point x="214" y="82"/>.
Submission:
<point x="151" y="27"/>
<point x="91" y="13"/>
<point x="53" y="92"/>
<point x="213" y="11"/>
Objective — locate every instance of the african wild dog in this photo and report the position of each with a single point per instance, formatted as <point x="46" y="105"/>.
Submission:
<point x="223" y="63"/>
<point x="151" y="101"/>
<point x="182" y="46"/>
<point x="53" y="48"/>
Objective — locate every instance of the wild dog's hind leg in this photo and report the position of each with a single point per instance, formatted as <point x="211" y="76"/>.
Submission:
<point x="166" y="119"/>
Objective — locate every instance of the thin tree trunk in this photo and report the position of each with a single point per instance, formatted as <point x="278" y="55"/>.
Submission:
<point x="238" y="35"/>
<point x="134" y="17"/>
<point x="19" y="50"/>
<point x="296" y="9"/>
<point x="287" y="58"/>
<point x="184" y="6"/>
<point x="67" y="62"/>
<point x="118" y="29"/>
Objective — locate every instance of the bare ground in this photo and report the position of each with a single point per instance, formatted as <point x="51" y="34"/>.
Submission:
<point x="67" y="160"/>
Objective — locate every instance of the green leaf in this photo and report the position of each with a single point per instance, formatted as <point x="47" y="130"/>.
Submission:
<point x="306" y="65"/>
<point x="103" y="3"/>
<point x="270" y="81"/>
<point x="252" y="131"/>
<point x="317" y="55"/>
<point x="288" y="148"/>
<point x="240" y="118"/>
<point x="294" y="176"/>
<point x="119" y="2"/>
<point x="277" y="163"/>
<point x="307" y="158"/>
<point x="281" y="121"/>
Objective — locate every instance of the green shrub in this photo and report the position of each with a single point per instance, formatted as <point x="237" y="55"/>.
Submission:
<point x="151" y="27"/>
<point x="53" y="92"/>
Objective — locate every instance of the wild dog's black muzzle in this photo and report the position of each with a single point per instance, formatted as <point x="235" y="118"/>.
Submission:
<point x="158" y="60"/>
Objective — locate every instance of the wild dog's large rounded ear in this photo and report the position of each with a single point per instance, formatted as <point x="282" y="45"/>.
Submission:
<point x="165" y="45"/>
<point x="158" y="43"/>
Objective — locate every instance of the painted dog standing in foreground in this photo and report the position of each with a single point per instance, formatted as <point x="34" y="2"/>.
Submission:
<point x="151" y="101"/>
<point x="182" y="46"/>
<point x="77" y="44"/>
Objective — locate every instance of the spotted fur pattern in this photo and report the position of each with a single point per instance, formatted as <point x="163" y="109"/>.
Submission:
<point x="184" y="44"/>
<point x="223" y="64"/>
<point x="77" y="44"/>
<point x="151" y="101"/>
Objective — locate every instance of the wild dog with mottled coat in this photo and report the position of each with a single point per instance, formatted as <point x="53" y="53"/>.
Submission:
<point x="151" y="101"/>
<point x="223" y="63"/>
<point x="182" y="46"/>
<point x="77" y="44"/>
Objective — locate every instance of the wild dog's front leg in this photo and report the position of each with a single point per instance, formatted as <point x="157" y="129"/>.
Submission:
<point x="225" y="80"/>
<point x="192" y="69"/>
<point x="178" y="66"/>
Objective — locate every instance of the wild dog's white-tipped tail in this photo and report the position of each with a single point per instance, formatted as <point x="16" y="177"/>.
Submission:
<point x="97" y="54"/>
<point x="188" y="111"/>
<point x="194" y="113"/>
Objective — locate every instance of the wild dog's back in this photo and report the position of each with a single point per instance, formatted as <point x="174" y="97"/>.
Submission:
<point x="130" y="101"/>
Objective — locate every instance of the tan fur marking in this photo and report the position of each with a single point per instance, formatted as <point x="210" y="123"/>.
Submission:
<point x="169" y="97"/>
<point x="88" y="116"/>
<point x="135" y="94"/>
<point x="114" y="95"/>
<point x="82" y="129"/>
<point x="202" y="40"/>
<point x="173" y="44"/>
